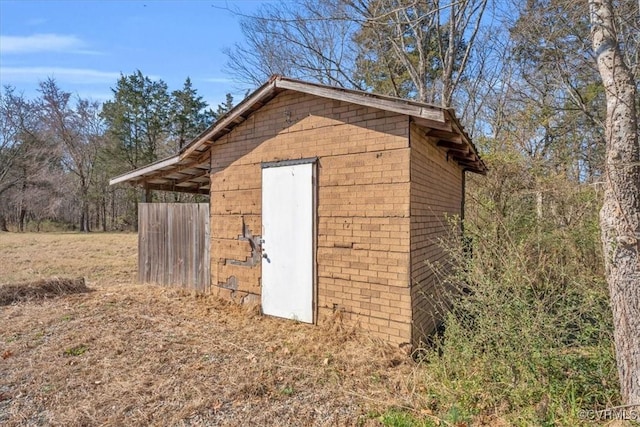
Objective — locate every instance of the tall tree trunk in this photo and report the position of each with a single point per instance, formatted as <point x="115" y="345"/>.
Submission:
<point x="3" y="223"/>
<point x="85" y="220"/>
<point x="113" y="209"/>
<point x="103" y="209"/>
<point x="85" y="216"/>
<point x="22" y="210"/>
<point x="22" y="219"/>
<point x="96" y="224"/>
<point x="620" y="214"/>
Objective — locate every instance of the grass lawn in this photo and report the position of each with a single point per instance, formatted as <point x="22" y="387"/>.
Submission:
<point x="131" y="354"/>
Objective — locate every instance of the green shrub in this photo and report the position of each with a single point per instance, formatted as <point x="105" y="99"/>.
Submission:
<point x="529" y="337"/>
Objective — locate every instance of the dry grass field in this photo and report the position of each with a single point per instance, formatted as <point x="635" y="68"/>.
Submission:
<point x="130" y="354"/>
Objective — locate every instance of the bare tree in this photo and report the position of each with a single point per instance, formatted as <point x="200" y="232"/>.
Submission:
<point x="26" y="159"/>
<point x="432" y="40"/>
<point x="79" y="133"/>
<point x="558" y="87"/>
<point x="620" y="214"/>
<point x="308" y="39"/>
<point x="18" y="119"/>
<point x="407" y="48"/>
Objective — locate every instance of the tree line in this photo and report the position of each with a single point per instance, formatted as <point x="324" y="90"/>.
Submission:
<point x="58" y="151"/>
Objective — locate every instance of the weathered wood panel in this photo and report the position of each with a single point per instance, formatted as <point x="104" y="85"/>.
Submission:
<point x="173" y="245"/>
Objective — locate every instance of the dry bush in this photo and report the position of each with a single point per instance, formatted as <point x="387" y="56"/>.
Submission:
<point x="529" y="338"/>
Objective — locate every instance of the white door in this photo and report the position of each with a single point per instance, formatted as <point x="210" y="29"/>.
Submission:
<point x="287" y="234"/>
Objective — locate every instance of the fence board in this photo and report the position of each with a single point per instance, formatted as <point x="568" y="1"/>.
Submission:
<point x="173" y="245"/>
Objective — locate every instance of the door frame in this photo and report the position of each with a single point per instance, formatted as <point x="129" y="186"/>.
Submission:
<point x="314" y="221"/>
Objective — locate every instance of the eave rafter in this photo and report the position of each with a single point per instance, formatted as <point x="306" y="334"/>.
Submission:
<point x="457" y="148"/>
<point x="199" y="189"/>
<point x="188" y="178"/>
<point x="180" y="170"/>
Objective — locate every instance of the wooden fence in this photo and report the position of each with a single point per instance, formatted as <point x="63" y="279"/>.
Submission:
<point x="173" y="245"/>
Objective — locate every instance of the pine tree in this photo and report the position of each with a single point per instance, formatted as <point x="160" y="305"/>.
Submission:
<point x="137" y="120"/>
<point x="223" y="108"/>
<point x="189" y="114"/>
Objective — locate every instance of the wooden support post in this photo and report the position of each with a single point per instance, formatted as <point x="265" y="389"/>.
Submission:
<point x="147" y="197"/>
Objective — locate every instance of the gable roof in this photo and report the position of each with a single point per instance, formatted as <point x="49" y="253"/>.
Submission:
<point x="188" y="171"/>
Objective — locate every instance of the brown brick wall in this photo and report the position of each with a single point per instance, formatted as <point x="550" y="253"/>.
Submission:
<point x="436" y="198"/>
<point x="363" y="224"/>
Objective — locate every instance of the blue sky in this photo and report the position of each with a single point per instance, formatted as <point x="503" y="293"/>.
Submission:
<point x="85" y="45"/>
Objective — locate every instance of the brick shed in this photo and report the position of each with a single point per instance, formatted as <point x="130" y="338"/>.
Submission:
<point x="324" y="199"/>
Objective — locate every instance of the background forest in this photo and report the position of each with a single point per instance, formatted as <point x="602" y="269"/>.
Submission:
<point x="58" y="151"/>
<point x="532" y="341"/>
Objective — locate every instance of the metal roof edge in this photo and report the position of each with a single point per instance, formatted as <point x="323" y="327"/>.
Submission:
<point x="367" y="99"/>
<point x="169" y="161"/>
<point x="230" y="116"/>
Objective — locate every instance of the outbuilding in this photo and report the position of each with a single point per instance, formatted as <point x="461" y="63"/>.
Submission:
<point x="322" y="200"/>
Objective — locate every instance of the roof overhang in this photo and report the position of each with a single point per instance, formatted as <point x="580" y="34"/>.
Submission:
<point x="188" y="171"/>
<point x="187" y="174"/>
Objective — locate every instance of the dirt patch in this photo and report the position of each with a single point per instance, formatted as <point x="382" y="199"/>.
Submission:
<point x="41" y="289"/>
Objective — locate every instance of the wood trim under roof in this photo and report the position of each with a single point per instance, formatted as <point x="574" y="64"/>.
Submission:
<point x="188" y="171"/>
